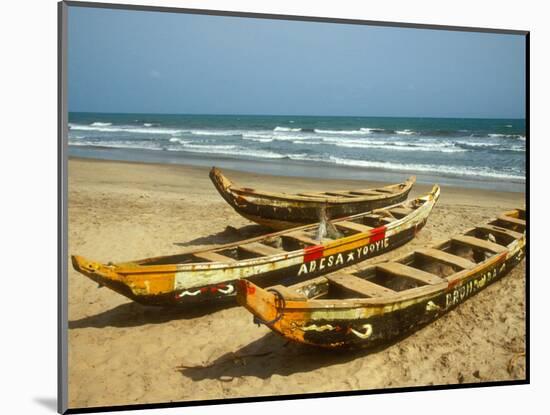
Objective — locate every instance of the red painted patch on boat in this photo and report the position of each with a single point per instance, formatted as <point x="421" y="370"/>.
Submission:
<point x="204" y="289"/>
<point x="250" y="289"/>
<point x="313" y="252"/>
<point x="213" y="289"/>
<point x="452" y="284"/>
<point x="378" y="234"/>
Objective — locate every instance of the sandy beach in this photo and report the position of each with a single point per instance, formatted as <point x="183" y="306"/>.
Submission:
<point x="123" y="353"/>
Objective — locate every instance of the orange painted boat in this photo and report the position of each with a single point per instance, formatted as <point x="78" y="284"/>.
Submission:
<point x="279" y="210"/>
<point x="292" y="255"/>
<point x="378" y="303"/>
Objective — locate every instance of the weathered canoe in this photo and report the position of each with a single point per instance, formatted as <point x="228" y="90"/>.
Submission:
<point x="375" y="304"/>
<point x="285" y="210"/>
<point x="290" y="256"/>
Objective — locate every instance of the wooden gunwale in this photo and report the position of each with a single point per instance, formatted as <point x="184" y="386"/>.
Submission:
<point x="299" y="197"/>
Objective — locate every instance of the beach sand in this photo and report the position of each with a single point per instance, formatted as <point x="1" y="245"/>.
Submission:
<point x="123" y="353"/>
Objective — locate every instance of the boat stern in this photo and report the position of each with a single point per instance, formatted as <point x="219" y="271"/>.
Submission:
<point x="261" y="303"/>
<point x="104" y="275"/>
<point x="221" y="182"/>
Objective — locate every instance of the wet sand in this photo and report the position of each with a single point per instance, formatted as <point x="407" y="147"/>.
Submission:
<point x="124" y="353"/>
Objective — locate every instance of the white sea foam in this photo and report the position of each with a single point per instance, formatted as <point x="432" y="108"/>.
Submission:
<point x="101" y="124"/>
<point x="341" y="132"/>
<point x="178" y="140"/>
<point x="134" y="130"/>
<point x="518" y="136"/>
<point x="259" y="139"/>
<point x="228" y="133"/>
<point x="286" y="129"/>
<point x="405" y="132"/>
<point x="372" y="130"/>
<point x="147" y="124"/>
<point x="429" y="168"/>
<point x="140" y="145"/>
<point x="234" y="150"/>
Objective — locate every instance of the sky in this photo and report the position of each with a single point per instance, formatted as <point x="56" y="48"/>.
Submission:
<point x="173" y="63"/>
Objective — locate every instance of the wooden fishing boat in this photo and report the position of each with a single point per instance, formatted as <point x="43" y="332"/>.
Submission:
<point x="292" y="255"/>
<point x="285" y="210"/>
<point x="381" y="302"/>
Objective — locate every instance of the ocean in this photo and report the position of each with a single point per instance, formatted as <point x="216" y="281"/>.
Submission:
<point x="481" y="153"/>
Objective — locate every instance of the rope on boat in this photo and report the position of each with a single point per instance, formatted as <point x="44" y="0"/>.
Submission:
<point x="280" y="307"/>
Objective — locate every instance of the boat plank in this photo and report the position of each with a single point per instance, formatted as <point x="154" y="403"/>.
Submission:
<point x="261" y="249"/>
<point x="500" y="230"/>
<point x="365" y="193"/>
<point x="339" y="194"/>
<point x="512" y="220"/>
<point x="479" y="244"/>
<point x="213" y="257"/>
<point x="400" y="211"/>
<point x="401" y="270"/>
<point x="353" y="226"/>
<point x="359" y="285"/>
<point x="301" y="237"/>
<point x="289" y="293"/>
<point x="446" y="258"/>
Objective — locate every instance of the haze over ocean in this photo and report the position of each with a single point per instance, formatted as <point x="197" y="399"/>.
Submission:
<point x="360" y="101"/>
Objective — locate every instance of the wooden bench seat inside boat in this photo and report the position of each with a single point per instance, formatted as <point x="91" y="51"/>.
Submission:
<point x="401" y="270"/>
<point x="358" y="285"/>
<point x="500" y="230"/>
<point x="289" y="293"/>
<point x="261" y="249"/>
<point x="481" y="244"/>
<point x="400" y="212"/>
<point x="446" y="258"/>
<point x="339" y="194"/>
<point x="213" y="257"/>
<point x="365" y="193"/>
<point x="302" y="237"/>
<point x="512" y="220"/>
<point x="352" y="226"/>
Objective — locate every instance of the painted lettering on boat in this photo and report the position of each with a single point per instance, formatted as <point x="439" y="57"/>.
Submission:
<point x="335" y="260"/>
<point x="459" y="294"/>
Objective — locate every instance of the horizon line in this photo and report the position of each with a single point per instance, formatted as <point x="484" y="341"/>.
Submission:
<point x="296" y="115"/>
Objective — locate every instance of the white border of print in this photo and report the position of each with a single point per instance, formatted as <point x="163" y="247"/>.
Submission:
<point x="29" y="208"/>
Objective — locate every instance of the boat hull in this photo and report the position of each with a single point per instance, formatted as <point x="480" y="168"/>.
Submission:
<point x="278" y="213"/>
<point x="353" y="323"/>
<point x="164" y="281"/>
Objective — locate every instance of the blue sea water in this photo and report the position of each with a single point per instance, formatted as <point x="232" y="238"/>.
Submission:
<point x="475" y="152"/>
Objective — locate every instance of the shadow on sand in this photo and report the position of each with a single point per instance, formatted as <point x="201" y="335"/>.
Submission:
<point x="274" y="355"/>
<point x="271" y="355"/>
<point x="134" y="314"/>
<point x="228" y="235"/>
